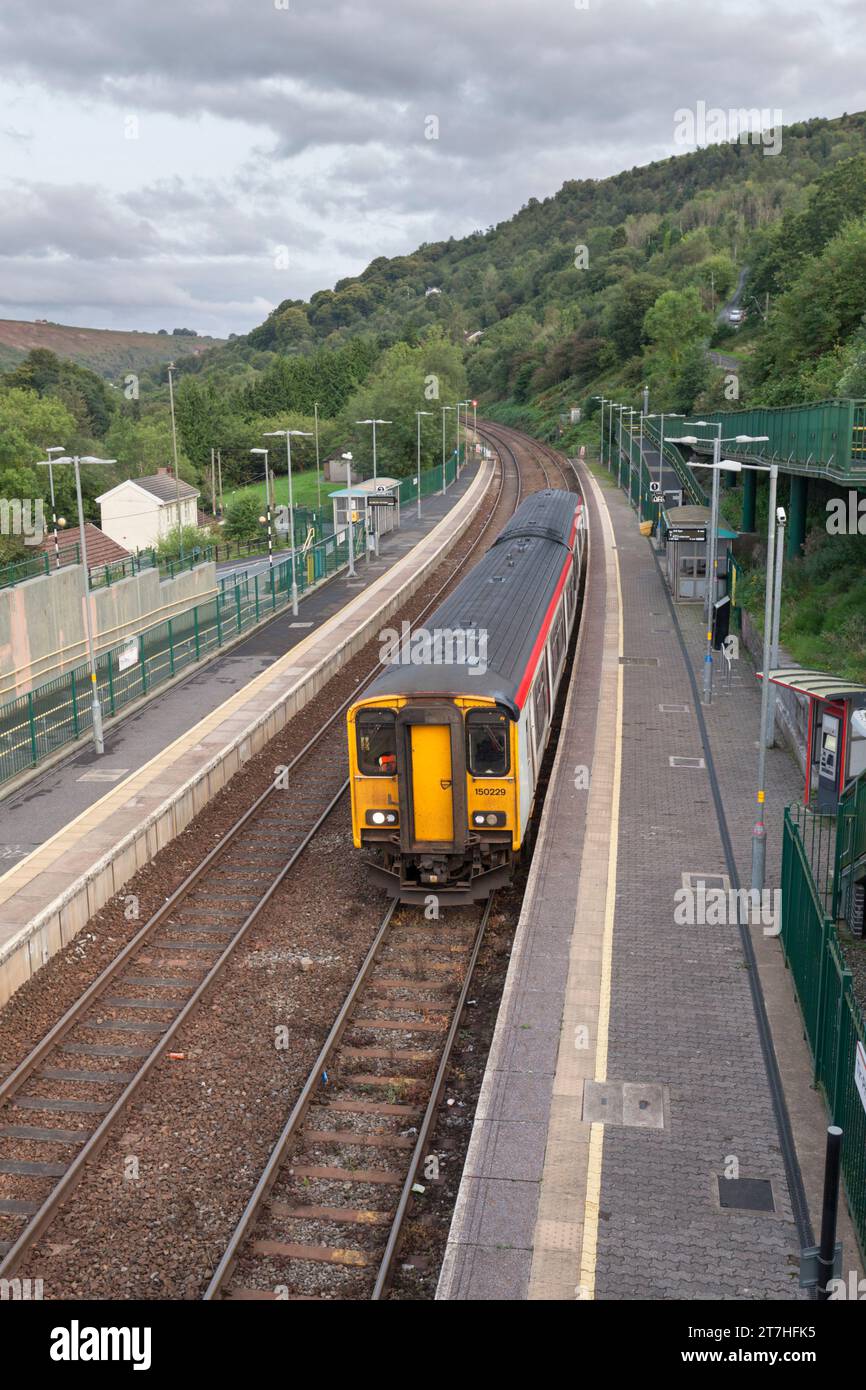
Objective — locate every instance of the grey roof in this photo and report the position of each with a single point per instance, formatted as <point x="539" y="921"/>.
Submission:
<point x="505" y="595"/>
<point x="163" y="486"/>
<point x="817" y="684"/>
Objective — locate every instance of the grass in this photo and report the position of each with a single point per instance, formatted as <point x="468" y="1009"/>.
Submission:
<point x="304" y="492"/>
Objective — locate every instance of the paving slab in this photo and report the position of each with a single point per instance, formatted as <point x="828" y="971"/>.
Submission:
<point x="657" y="1088"/>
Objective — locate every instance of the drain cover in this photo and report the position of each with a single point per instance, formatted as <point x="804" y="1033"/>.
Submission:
<point x="746" y="1194"/>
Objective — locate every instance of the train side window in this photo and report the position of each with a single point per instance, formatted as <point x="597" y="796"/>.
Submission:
<point x="541" y="707"/>
<point x="487" y="743"/>
<point x="557" y="641"/>
<point x="377" y="742"/>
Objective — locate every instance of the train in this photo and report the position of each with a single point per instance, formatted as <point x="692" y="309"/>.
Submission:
<point x="446" y="745"/>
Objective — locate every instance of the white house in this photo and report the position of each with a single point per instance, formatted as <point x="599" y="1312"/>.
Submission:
<point x="139" y="512"/>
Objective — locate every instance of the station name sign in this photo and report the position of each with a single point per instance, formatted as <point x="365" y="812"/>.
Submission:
<point x="686" y="533"/>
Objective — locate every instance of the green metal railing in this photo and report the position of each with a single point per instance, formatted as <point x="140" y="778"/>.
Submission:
<point x="850" y="843"/>
<point x="59" y="711"/>
<point x="431" y="481"/>
<point x="692" y="489"/>
<point x="37" y="565"/>
<point x="629" y="444"/>
<point x="825" y="439"/>
<point x="832" y="1017"/>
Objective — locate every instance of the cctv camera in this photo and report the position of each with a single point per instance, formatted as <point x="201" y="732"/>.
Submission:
<point x="780" y="516"/>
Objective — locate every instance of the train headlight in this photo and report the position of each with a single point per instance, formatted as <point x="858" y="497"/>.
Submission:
<point x="488" y="818"/>
<point x="478" y="819"/>
<point x="492" y="818"/>
<point x="381" y="817"/>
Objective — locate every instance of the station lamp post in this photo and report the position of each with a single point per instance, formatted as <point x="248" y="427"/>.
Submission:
<point x="374" y="423"/>
<point x="661" y="416"/>
<point x="466" y="405"/>
<point x="318" y="472"/>
<point x="445" y="408"/>
<point x="614" y="405"/>
<point x="603" y="400"/>
<point x="348" y="458"/>
<point x="418" y="414"/>
<point x="631" y="412"/>
<point x="76" y="461"/>
<point x="171" y="369"/>
<point x="267" y="506"/>
<point x="712" y="563"/>
<point x="289" y="435"/>
<point x="54" y="449"/>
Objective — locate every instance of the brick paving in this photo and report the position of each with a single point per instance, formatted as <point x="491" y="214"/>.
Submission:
<point x="681" y="1012"/>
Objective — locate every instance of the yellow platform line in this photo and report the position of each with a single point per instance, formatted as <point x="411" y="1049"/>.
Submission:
<point x="589" y="1248"/>
<point x="565" y="1240"/>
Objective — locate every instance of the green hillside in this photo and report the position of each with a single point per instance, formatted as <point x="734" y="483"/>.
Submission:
<point x="604" y="287"/>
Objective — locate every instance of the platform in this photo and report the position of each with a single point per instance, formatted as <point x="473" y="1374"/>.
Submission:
<point x="626" y="1085"/>
<point x="166" y="777"/>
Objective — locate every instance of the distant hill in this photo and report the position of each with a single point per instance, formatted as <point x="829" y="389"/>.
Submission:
<point x="106" y="351"/>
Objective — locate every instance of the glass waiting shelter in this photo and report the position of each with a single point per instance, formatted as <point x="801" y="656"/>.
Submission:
<point x="684" y="542"/>
<point x="375" y="501"/>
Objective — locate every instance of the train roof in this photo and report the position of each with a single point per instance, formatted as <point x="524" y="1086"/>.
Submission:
<point x="507" y="595"/>
<point x="548" y="515"/>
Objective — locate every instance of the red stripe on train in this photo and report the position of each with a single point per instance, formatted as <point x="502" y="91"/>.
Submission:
<point x="538" y="648"/>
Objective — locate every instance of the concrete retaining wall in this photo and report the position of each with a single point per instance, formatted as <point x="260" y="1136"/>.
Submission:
<point x="42" y="628"/>
<point x="792" y="710"/>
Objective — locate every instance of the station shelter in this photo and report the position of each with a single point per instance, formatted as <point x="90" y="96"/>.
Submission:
<point x="375" y="502"/>
<point x="835" y="734"/>
<point x="683" y="535"/>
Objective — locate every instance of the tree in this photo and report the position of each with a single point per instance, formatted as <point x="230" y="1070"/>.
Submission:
<point x="242" y="519"/>
<point x="675" y="322"/>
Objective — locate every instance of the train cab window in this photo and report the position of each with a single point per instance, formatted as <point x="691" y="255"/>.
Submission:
<point x="487" y="743"/>
<point x="377" y="742"/>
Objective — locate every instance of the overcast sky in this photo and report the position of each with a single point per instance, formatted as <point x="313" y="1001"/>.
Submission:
<point x="190" y="163"/>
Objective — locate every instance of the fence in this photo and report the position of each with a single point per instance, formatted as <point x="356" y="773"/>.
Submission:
<point x="628" y="442"/>
<point x="43" y="563"/>
<point x="58" y="712"/>
<point x="831" y="1014"/>
<point x="825" y="438"/>
<point x="431" y="481"/>
<point x="850" y="846"/>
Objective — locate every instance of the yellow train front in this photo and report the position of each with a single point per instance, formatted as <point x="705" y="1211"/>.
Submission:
<point x="445" y="747"/>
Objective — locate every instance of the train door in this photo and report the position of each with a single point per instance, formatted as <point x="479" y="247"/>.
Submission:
<point x="432" y="782"/>
<point x="432" y="777"/>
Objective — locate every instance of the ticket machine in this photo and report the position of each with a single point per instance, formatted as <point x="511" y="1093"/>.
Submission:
<point x="835" y="732"/>
<point x="829" y="757"/>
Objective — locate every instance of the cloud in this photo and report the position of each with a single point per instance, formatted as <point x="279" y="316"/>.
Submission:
<point x="328" y="107"/>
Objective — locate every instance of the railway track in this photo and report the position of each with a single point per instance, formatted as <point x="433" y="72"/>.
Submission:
<point x="325" y="1218"/>
<point x="543" y="458"/>
<point x="63" y="1101"/>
